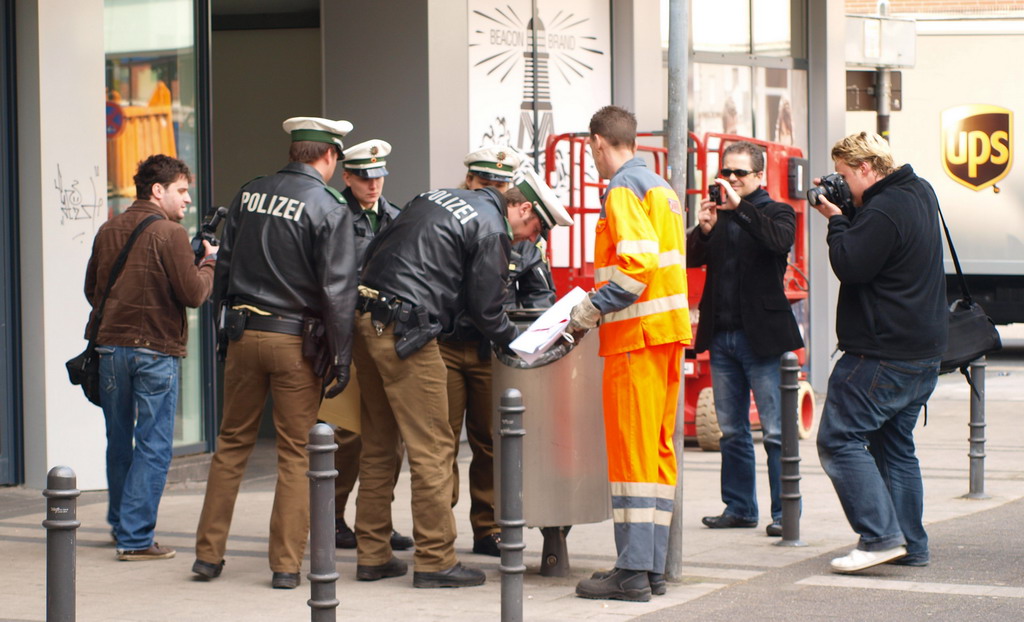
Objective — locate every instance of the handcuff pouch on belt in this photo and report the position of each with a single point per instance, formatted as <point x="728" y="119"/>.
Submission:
<point x="234" y="323"/>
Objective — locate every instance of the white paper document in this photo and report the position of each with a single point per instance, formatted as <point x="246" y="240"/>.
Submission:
<point x="548" y="328"/>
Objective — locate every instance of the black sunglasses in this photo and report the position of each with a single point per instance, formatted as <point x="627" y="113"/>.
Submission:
<point x="738" y="172"/>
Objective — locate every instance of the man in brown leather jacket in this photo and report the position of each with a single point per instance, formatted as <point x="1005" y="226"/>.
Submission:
<point x="141" y="340"/>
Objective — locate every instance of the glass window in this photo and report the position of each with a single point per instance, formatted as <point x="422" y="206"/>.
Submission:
<point x="720" y="25"/>
<point x="780" y="106"/>
<point x="151" y="104"/>
<point x="771" y="26"/>
<point x="722" y="103"/>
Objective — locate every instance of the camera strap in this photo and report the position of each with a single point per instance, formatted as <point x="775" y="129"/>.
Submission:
<point x="115" y="271"/>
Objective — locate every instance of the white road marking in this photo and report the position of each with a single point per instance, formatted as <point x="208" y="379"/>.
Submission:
<point x="961" y="589"/>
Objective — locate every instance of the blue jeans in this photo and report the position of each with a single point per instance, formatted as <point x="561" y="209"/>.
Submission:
<point x="866" y="446"/>
<point x="139" y="395"/>
<point x="735" y="372"/>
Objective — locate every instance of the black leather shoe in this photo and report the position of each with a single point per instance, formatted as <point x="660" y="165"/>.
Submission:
<point x="488" y="545"/>
<point x="619" y="584"/>
<point x="285" y="580"/>
<point x="727" y="521"/>
<point x="657" y="580"/>
<point x="658" y="584"/>
<point x="456" y="576"/>
<point x="774" y="530"/>
<point x="400" y="542"/>
<point x="394" y="567"/>
<point x="205" y="571"/>
<point x="344" y="538"/>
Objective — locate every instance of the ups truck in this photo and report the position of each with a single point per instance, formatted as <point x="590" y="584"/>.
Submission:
<point x="956" y="127"/>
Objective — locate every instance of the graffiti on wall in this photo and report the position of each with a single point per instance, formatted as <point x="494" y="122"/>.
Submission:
<point x="80" y="203"/>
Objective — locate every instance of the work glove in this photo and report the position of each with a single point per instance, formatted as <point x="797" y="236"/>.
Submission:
<point x="340" y="382"/>
<point x="583" y="316"/>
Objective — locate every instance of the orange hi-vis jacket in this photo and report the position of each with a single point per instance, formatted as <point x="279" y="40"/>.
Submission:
<point x="640" y="263"/>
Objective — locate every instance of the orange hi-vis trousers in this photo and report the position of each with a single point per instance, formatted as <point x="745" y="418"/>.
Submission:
<point x="640" y="391"/>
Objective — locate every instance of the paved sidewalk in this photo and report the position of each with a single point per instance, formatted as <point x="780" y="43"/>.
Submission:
<point x="716" y="562"/>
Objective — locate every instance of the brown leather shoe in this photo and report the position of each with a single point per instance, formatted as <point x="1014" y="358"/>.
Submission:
<point x="155" y="551"/>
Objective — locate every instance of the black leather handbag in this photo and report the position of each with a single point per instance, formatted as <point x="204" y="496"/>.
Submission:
<point x="972" y="333"/>
<point x="84" y="369"/>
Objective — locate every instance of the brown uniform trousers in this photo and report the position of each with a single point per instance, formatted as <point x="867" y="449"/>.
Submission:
<point x="404" y="399"/>
<point x="346" y="461"/>
<point x="258" y="362"/>
<point x="469" y="393"/>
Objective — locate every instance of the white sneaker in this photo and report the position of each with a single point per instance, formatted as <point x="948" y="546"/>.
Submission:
<point x="859" y="560"/>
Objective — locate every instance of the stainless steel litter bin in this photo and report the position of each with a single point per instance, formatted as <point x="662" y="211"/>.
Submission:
<point x="565" y="463"/>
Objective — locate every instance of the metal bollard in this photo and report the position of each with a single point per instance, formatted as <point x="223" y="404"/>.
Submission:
<point x="789" y="387"/>
<point x="510" y="414"/>
<point x="61" y="522"/>
<point x="977" y="437"/>
<point x="323" y="572"/>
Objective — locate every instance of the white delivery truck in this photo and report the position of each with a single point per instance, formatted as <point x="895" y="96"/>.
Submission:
<point x="957" y="127"/>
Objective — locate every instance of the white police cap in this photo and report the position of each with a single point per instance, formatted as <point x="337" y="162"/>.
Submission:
<point x="545" y="203"/>
<point x="496" y="162"/>
<point x="317" y="130"/>
<point x="367" y="159"/>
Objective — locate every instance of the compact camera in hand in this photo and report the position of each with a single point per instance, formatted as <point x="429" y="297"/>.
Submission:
<point x="207" y="232"/>
<point x="833" y="187"/>
<point x="715" y="193"/>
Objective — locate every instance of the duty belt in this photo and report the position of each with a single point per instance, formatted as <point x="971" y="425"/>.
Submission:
<point x="273" y="324"/>
<point x="383" y="308"/>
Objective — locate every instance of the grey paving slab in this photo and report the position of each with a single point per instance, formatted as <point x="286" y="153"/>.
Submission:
<point x="721" y="566"/>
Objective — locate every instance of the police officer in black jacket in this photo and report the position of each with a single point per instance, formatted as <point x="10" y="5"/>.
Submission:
<point x="287" y="256"/>
<point x="364" y="168"/>
<point x="449" y="250"/>
<point x="466" y="351"/>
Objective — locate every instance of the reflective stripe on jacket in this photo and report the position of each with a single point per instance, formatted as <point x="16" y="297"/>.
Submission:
<point x="639" y="254"/>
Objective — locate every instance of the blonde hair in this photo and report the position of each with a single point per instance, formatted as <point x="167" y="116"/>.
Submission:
<point x="865" y="147"/>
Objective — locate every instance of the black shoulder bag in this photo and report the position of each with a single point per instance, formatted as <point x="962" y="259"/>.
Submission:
<point x="84" y="369"/>
<point x="972" y="333"/>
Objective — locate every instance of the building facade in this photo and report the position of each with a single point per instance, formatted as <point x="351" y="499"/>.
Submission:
<point x="91" y="87"/>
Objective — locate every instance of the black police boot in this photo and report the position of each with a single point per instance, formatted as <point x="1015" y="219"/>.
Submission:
<point x="400" y="542"/>
<point x="456" y="576"/>
<point x="619" y="584"/>
<point x="344" y="538"/>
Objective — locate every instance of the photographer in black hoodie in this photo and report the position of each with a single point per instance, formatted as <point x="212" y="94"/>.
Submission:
<point x="891" y="323"/>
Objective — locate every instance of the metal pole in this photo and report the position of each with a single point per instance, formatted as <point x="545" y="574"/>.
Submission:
<point x="790" y="387"/>
<point x="323" y="572"/>
<point x="61" y="522"/>
<point x="678" y="67"/>
<point x="510" y="415"/>
<point x="977" y="425"/>
<point x="883" y="93"/>
<point x="883" y="89"/>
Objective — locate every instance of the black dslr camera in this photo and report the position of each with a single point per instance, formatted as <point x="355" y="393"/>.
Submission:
<point x="207" y="232"/>
<point x="833" y="187"/>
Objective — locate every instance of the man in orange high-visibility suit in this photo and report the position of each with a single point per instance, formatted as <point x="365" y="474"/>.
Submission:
<point x="639" y="270"/>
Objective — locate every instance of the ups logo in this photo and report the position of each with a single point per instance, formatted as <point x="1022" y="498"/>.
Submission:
<point x="977" y="144"/>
